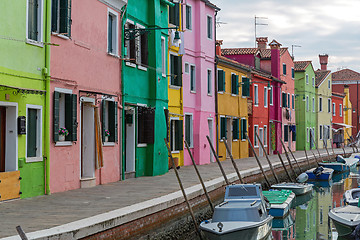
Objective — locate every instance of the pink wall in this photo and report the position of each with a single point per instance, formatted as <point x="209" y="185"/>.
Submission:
<point x="248" y="59"/>
<point x="82" y="63"/>
<point x="200" y="51"/>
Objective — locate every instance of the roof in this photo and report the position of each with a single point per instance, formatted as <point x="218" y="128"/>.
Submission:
<point x="336" y="94"/>
<point x="301" y="65"/>
<point x="320" y="76"/>
<point x="345" y="75"/>
<point x="266" y="53"/>
<point x="208" y="3"/>
<point x="239" y="51"/>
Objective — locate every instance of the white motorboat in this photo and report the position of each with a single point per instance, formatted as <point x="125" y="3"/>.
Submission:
<point x="297" y="188"/>
<point x="345" y="219"/>
<point x="351" y="197"/>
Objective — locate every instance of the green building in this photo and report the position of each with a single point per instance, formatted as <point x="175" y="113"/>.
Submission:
<point x="145" y="88"/>
<point x="305" y="105"/>
<point x="24" y="98"/>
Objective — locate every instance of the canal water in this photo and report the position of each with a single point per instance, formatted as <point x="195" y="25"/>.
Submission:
<point x="308" y="220"/>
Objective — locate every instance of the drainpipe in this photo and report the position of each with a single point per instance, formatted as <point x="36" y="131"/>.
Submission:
<point x="216" y="91"/>
<point x="46" y="72"/>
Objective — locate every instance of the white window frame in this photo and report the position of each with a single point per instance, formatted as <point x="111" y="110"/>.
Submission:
<point x="39" y="41"/>
<point x="265" y="97"/>
<point x="284" y="64"/>
<point x="191" y="128"/>
<point x="307" y="134"/>
<point x="115" y="30"/>
<point x="307" y="78"/>
<point x="334" y="109"/>
<point x="39" y="140"/>
<point x="321" y="132"/>
<point x="137" y="126"/>
<point x="307" y="103"/>
<point x="313" y="104"/>
<point x="173" y="131"/>
<point x="163" y="57"/>
<point x="256" y="95"/>
<point x="329" y="105"/>
<point x="211" y="28"/>
<point x="138" y="54"/>
<point x="320" y="104"/>
<point x="209" y="82"/>
<point x="292" y="75"/>
<point x="265" y="135"/>
<point x="187" y="68"/>
<point x="288" y="100"/>
<point x="188" y="5"/>
<point x="106" y="121"/>
<point x="256" y="142"/>
<point x="271" y="96"/>
<point x="329" y="83"/>
<point x="313" y="81"/>
<point x="128" y="63"/>
<point x="62" y="91"/>
<point x="293" y="101"/>
<point x="231" y="83"/>
<point x="192" y="66"/>
<point x="340" y="110"/>
<point x="170" y="85"/>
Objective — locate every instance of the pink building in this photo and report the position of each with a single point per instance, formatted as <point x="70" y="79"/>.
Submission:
<point x="85" y="87"/>
<point x="199" y="78"/>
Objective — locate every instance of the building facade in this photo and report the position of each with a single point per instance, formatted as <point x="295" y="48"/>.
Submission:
<point x="338" y="119"/>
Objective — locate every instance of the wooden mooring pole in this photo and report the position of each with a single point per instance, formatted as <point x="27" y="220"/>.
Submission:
<point x="232" y="160"/>
<point x="288" y="158"/>
<point x="282" y="162"/>
<point x="326" y="149"/>
<point x="21" y="233"/>
<point x="295" y="160"/>
<point x="218" y="161"/>
<point x="267" y="158"/>
<point x="258" y="161"/>
<point x="307" y="159"/>
<point x="183" y="190"/>
<point x="199" y="176"/>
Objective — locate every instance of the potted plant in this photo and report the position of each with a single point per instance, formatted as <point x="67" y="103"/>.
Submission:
<point x="107" y="134"/>
<point x="63" y="132"/>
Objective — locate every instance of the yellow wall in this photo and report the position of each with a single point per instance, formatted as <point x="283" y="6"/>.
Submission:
<point x="232" y="107"/>
<point x="347" y="114"/>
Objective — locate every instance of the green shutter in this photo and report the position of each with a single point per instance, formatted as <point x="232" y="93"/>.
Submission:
<point x="116" y="122"/>
<point x="179" y="135"/>
<point x="56" y="116"/>
<point x="178" y="66"/>
<point x="33" y="20"/>
<point x="221" y="81"/>
<point x="284" y="69"/>
<point x="111" y="122"/>
<point x="284" y="100"/>
<point x="233" y="84"/>
<point x="110" y="34"/>
<point x="31" y="132"/>
<point x="65" y="17"/>
<point x="245" y="87"/>
<point x="103" y="114"/>
<point x="71" y="116"/>
<point x="222" y="128"/>
<point x="235" y="129"/>
<point x="187" y="129"/>
<point x="54" y="15"/>
<point x="172" y="69"/>
<point x="237" y="84"/>
<point x="243" y="128"/>
<point x="286" y="133"/>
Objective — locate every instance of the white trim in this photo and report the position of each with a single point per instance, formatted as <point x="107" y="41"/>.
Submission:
<point x="39" y="140"/>
<point x="284" y="64"/>
<point x="63" y="90"/>
<point x="307" y="79"/>
<point x="39" y="41"/>
<point x="267" y="96"/>
<point x="173" y="119"/>
<point x="292" y="102"/>
<point x="340" y="110"/>
<point x="255" y="138"/>
<point x="163" y="57"/>
<point x="212" y="27"/>
<point x="115" y="29"/>
<point x="190" y="67"/>
<point x="256" y="104"/>
<point x="265" y="126"/>
<point x="313" y="104"/>
<point x="211" y="82"/>
<point x="271" y="99"/>
<point x="191" y="128"/>
<point x="320" y="110"/>
<point x="63" y="143"/>
<point x="108" y="144"/>
<point x="191" y="17"/>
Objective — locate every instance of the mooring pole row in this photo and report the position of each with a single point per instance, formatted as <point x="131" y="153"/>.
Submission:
<point x="282" y="162"/>
<point x="258" y="161"/>
<point x="199" y="176"/>
<point x="332" y="147"/>
<point x="295" y="159"/>
<point x="344" y="151"/>
<point x="267" y="158"/>
<point x="317" y="149"/>
<point x="307" y="159"/>
<point x="21" y="233"/>
<point x="232" y="161"/>
<point x="218" y="161"/>
<point x="315" y="157"/>
<point x="288" y="158"/>
<point x="182" y="189"/>
<point x="326" y="149"/>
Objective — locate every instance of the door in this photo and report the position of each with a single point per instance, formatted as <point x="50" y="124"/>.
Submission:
<point x="130" y="142"/>
<point x="210" y="125"/>
<point x="87" y="141"/>
<point x="261" y="136"/>
<point x="2" y="138"/>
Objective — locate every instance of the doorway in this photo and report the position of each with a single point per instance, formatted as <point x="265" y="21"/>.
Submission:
<point x="130" y="143"/>
<point x="2" y="138"/>
<point x="210" y="126"/>
<point x="261" y="137"/>
<point x="87" y="140"/>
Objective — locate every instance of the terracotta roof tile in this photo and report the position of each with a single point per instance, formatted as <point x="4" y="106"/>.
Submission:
<point x="345" y="75"/>
<point x="266" y="53"/>
<point x="320" y="76"/>
<point x="301" y="65"/>
<point x="239" y="51"/>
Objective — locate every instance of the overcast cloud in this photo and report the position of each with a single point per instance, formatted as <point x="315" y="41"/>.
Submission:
<point x="320" y="26"/>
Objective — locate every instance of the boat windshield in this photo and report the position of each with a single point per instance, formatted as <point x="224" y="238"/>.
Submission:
<point x="242" y="191"/>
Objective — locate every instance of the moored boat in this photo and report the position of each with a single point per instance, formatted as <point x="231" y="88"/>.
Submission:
<point x="297" y="188"/>
<point x="337" y="166"/>
<point x="242" y="215"/>
<point x="345" y="219"/>
<point x="320" y="173"/>
<point x="280" y="202"/>
<point x="351" y="197"/>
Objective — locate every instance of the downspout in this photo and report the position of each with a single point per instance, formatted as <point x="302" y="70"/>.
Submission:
<point x="216" y="91"/>
<point x="46" y="72"/>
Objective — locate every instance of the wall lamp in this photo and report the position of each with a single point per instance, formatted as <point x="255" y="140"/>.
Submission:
<point x="132" y="33"/>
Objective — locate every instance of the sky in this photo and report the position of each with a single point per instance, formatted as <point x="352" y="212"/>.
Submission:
<point x="319" y="26"/>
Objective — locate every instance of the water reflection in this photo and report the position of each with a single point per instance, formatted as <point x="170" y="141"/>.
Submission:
<point x="308" y="220"/>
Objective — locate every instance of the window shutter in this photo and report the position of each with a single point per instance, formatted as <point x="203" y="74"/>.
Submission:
<point x="294" y="134"/>
<point x="237" y="85"/>
<point x="65" y="17"/>
<point x="110" y="34"/>
<point x="284" y="69"/>
<point x="246" y="87"/>
<point x="54" y="15"/>
<point x="236" y="129"/>
<point x="172" y="69"/>
<point x="56" y="116"/>
<point x="178" y="71"/>
<point x="144" y="50"/>
<point x="176" y="14"/>
<point x="284" y="99"/>
<point x="71" y="116"/>
<point x="221" y="81"/>
<point x="137" y="49"/>
<point x="233" y="84"/>
<point x="74" y="117"/>
<point x="286" y="133"/>
<point x="179" y="135"/>
<point x="31" y="132"/>
<point x="33" y="20"/>
<point x="140" y="124"/>
<point x="149" y="125"/>
<point x="187" y="129"/>
<point x="243" y="128"/>
<point x="103" y="113"/>
<point x="111" y="120"/>
<point x="222" y="128"/>
<point x="292" y="73"/>
<point x="116" y="121"/>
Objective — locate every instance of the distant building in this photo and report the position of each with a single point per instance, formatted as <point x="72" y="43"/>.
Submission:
<point x="338" y="119"/>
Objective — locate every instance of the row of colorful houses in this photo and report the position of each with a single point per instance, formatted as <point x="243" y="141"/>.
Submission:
<point x="88" y="94"/>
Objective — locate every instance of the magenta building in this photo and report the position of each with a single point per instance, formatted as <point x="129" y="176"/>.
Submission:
<point x="199" y="78"/>
<point x="85" y="93"/>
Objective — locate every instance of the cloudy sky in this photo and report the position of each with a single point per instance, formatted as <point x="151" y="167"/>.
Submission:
<point x="318" y="26"/>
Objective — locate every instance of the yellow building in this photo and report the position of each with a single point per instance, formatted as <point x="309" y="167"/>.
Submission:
<point x="232" y="108"/>
<point x="347" y="114"/>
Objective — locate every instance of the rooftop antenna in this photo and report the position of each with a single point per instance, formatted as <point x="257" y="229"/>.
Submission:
<point x="218" y="22"/>
<point x="257" y="23"/>
<point x="292" y="49"/>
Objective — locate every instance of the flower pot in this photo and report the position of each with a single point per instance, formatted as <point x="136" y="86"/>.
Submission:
<point x="61" y="138"/>
<point x="106" y="138"/>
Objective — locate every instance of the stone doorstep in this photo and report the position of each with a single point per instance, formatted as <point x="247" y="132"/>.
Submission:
<point x="102" y="222"/>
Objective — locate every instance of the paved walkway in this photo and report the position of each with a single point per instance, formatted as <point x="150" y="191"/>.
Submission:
<point x="45" y="212"/>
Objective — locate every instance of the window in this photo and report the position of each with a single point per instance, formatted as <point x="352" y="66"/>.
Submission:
<point x="176" y="135"/>
<point x="329" y="105"/>
<point x="334" y="110"/>
<point x="307" y="79"/>
<point x="307" y="103"/>
<point x="313" y="104"/>
<point x="245" y="87"/>
<point x="286" y="133"/>
<point x="265" y="136"/>
<point x="284" y="99"/>
<point x="307" y="134"/>
<point x="112" y="32"/>
<point x="235" y="131"/>
<point x="192" y="78"/>
<point x="146" y="119"/>
<point x="243" y="128"/>
<point x="329" y="84"/>
<point x="34" y="20"/>
<point x="256" y="130"/>
<point x="321" y="132"/>
<point x="209" y="82"/>
<point x="256" y="95"/>
<point x="175" y="70"/>
<point x="292" y="73"/>
<point x="187" y="68"/>
<point x="340" y="110"/>
<point x="65" y="114"/>
<point x="284" y="69"/>
<point x="174" y="14"/>
<point x="34" y="133"/>
<point x="163" y="57"/>
<point x="61" y="17"/>
<point x="293" y="101"/>
<point x="221" y="80"/>
<point x="265" y="97"/>
<point x="288" y="100"/>
<point x="109" y="120"/>
<point x="130" y="46"/>
<point x="209" y="27"/>
<point x="313" y="81"/>
<point x="320" y="104"/>
<point x="189" y="129"/>
<point x="188" y="17"/>
<point x="293" y="136"/>
<point x="223" y="129"/>
<point x="234" y="84"/>
<point x="271" y="95"/>
<point x="142" y="49"/>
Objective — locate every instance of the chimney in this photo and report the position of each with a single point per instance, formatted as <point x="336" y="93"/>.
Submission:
<point x="218" y="47"/>
<point x="262" y="42"/>
<point x="323" y="61"/>
<point x="275" y="58"/>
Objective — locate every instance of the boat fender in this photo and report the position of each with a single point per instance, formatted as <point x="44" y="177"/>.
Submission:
<point x="356" y="233"/>
<point x="220" y="226"/>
